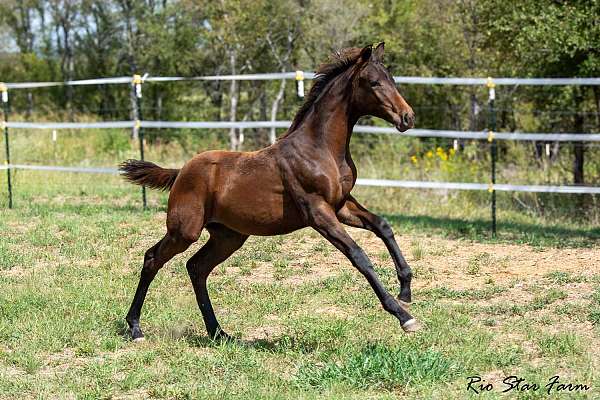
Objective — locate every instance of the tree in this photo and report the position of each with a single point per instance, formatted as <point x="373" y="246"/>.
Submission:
<point x="549" y="39"/>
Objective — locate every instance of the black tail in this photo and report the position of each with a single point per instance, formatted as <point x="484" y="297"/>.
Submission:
<point x="145" y="173"/>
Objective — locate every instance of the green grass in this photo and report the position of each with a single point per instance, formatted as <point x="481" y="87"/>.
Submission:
<point x="70" y="255"/>
<point x="379" y="367"/>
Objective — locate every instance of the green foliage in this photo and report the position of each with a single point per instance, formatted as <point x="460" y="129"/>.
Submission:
<point x="114" y="143"/>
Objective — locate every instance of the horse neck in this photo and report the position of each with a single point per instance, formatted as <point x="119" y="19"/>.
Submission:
<point x="332" y="119"/>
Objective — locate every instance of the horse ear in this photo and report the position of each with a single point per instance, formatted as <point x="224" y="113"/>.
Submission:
<point x="365" y="53"/>
<point x="378" y="53"/>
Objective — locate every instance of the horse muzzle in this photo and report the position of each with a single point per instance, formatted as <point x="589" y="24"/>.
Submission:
<point x="405" y="122"/>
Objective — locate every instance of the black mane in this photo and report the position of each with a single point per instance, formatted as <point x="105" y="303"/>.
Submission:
<point x="341" y="61"/>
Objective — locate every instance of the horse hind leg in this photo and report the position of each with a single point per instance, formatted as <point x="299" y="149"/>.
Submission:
<point x="154" y="259"/>
<point x="223" y="243"/>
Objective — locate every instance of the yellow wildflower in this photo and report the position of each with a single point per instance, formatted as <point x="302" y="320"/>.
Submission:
<point x="429" y="154"/>
<point x="413" y="159"/>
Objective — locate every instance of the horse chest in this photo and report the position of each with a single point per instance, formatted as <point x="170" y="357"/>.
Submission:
<point x="337" y="186"/>
<point x="319" y="175"/>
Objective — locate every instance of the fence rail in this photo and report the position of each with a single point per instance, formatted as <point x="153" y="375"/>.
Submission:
<point x="418" y="80"/>
<point x="490" y="134"/>
<point x="449" y="134"/>
<point x="362" y="182"/>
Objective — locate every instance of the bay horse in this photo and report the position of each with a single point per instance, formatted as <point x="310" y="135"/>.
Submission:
<point x="303" y="180"/>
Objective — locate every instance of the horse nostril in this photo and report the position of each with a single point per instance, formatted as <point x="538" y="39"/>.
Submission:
<point x="406" y="119"/>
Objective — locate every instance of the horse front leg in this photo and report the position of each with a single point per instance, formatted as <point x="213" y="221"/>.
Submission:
<point x="354" y="214"/>
<point x="323" y="219"/>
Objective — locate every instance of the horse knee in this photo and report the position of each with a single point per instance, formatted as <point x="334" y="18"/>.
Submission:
<point x="360" y="259"/>
<point x="150" y="263"/>
<point x="385" y="228"/>
<point x="192" y="268"/>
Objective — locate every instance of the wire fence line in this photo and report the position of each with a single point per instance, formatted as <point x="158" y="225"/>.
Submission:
<point x="311" y="75"/>
<point x="91" y="170"/>
<point x="449" y="134"/>
<point x="362" y="182"/>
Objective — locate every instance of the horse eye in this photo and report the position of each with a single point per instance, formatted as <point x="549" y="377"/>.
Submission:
<point x="374" y="83"/>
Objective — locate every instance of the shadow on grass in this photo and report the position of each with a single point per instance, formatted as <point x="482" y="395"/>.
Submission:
<point x="271" y="345"/>
<point x="514" y="232"/>
<point x="281" y="344"/>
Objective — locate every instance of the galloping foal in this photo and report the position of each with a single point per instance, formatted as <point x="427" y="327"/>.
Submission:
<point x="302" y="180"/>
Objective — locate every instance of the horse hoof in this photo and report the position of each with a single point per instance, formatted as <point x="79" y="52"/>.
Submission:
<point x="139" y="339"/>
<point x="136" y="334"/>
<point x="412" y="325"/>
<point x="222" y="336"/>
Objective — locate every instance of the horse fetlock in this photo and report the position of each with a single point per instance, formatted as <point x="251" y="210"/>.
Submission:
<point x="405" y="295"/>
<point x="390" y="305"/>
<point x="404" y="304"/>
<point x="220" y="334"/>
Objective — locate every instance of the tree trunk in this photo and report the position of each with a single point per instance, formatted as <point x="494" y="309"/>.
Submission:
<point x="597" y="99"/>
<point x="159" y="106"/>
<point x="29" y="104"/>
<point x="70" y="72"/>
<point x="473" y="112"/>
<point x="263" y="134"/>
<point x="274" y="108"/>
<point x="233" y="97"/>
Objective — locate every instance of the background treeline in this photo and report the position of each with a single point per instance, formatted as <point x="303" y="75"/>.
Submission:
<point x="55" y="40"/>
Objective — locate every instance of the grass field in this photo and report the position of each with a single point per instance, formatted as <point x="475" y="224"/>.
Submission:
<point x="525" y="304"/>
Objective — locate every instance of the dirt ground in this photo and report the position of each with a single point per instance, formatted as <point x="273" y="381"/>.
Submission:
<point x="436" y="261"/>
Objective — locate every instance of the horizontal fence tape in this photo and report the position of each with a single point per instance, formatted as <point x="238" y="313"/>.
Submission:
<point x="477" y="186"/>
<point x="474" y="135"/>
<point x="94" y="170"/>
<point x="498" y="81"/>
<point x="82" y="82"/>
<point x="547" y="189"/>
<point x="70" y="125"/>
<point x="422" y="184"/>
<point x="215" y="124"/>
<point x="238" y="77"/>
<point x="547" y="81"/>
<point x="363" y="182"/>
<point x="550" y="137"/>
<point x="310" y="75"/>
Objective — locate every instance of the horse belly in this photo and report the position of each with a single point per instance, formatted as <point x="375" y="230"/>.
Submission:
<point x="257" y="205"/>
